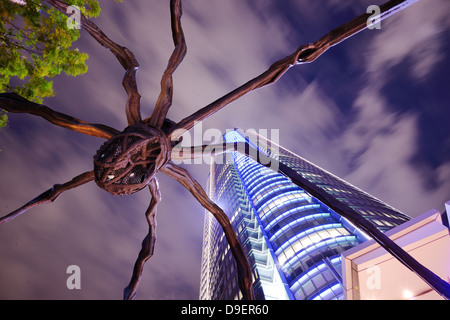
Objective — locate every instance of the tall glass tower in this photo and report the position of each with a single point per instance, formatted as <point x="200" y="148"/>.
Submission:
<point x="292" y="240"/>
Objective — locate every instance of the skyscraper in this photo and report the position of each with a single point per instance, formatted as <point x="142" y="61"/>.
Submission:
<point x="292" y="240"/>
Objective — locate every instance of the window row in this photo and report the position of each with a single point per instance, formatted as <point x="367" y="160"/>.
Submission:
<point x="268" y="213"/>
<point x="268" y="191"/>
<point x="312" y="285"/>
<point x="298" y="227"/>
<point x="308" y="238"/>
<point x="291" y="214"/>
<point x="334" y="292"/>
<point x="279" y="225"/>
<point x="312" y="255"/>
<point x="277" y="201"/>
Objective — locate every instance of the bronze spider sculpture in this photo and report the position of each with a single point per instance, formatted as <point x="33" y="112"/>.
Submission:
<point x="129" y="160"/>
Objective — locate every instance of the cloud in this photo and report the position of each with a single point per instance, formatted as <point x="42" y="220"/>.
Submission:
<point x="411" y="36"/>
<point x="381" y="143"/>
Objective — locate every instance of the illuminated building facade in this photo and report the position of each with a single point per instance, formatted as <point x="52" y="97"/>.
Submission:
<point x="292" y="240"/>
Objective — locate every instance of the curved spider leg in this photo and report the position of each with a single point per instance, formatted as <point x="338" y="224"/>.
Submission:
<point x="14" y="103"/>
<point x="149" y="242"/>
<point x="125" y="57"/>
<point x="429" y="277"/>
<point x="270" y="76"/>
<point x="165" y="97"/>
<point x="244" y="271"/>
<point x="50" y="195"/>
<point x="304" y="54"/>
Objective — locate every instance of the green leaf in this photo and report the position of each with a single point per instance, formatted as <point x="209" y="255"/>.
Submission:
<point x="36" y="45"/>
<point x="3" y="118"/>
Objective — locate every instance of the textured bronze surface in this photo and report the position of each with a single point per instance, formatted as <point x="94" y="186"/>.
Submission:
<point x="128" y="161"/>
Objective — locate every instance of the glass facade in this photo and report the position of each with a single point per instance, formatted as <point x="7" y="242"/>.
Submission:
<point x="292" y="240"/>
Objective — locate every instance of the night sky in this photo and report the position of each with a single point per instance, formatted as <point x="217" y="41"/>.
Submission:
<point x="373" y="110"/>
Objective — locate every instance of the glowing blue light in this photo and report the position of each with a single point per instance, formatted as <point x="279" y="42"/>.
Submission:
<point x="295" y="223"/>
<point x="251" y="184"/>
<point x="234" y="136"/>
<point x="300" y="254"/>
<point x="308" y="275"/>
<point x="295" y="210"/>
<point x="329" y="292"/>
<point x="305" y="207"/>
<point x="306" y="232"/>
<point x="274" y="199"/>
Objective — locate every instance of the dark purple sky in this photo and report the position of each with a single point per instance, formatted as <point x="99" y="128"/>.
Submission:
<point x="373" y="110"/>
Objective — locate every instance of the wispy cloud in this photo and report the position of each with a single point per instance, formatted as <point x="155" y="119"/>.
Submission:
<point x="381" y="142"/>
<point x="410" y="36"/>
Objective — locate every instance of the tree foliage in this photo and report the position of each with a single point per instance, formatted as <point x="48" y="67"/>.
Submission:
<point x="36" y="45"/>
<point x="3" y="119"/>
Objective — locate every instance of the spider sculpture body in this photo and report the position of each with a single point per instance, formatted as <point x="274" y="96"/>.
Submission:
<point x="129" y="160"/>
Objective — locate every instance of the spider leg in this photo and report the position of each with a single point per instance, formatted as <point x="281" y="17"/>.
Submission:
<point x="14" y="103"/>
<point x="50" y="195"/>
<point x="165" y="97"/>
<point x="149" y="242"/>
<point x="304" y="54"/>
<point x="270" y="76"/>
<point x="244" y="271"/>
<point x="180" y="153"/>
<point x="125" y="57"/>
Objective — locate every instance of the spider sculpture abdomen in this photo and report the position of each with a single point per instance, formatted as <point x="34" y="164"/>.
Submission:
<point x="128" y="161"/>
